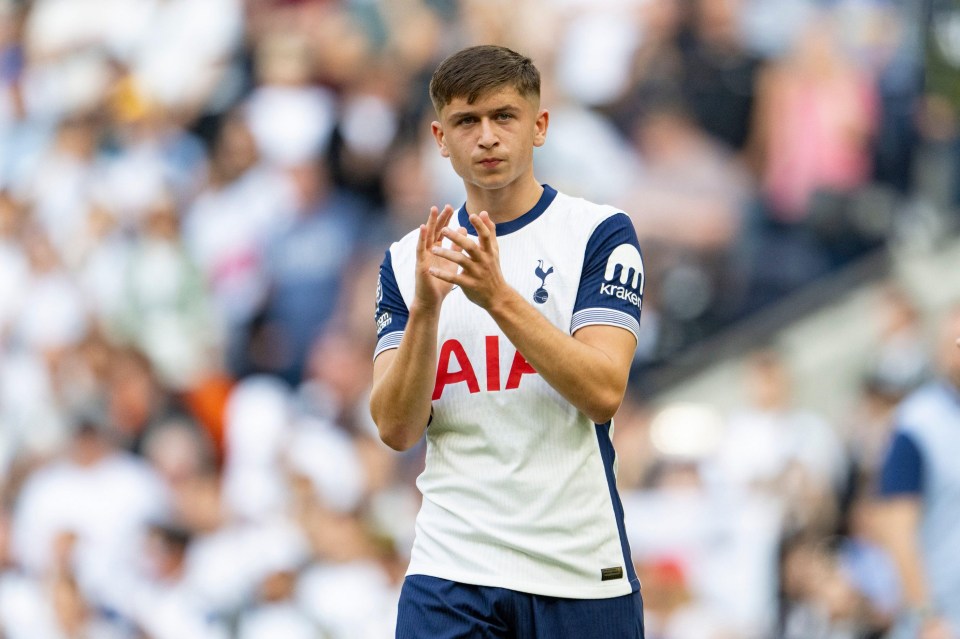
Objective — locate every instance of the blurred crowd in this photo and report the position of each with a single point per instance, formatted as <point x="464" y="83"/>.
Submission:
<point x="195" y="196"/>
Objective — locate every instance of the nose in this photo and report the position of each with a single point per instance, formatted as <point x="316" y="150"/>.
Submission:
<point x="488" y="137"/>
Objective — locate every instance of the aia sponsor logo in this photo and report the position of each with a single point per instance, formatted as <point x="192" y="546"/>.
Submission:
<point x="455" y="367"/>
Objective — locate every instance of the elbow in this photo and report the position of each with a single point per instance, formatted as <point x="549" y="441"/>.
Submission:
<point x="600" y="416"/>
<point x="397" y="439"/>
<point x="397" y="436"/>
<point x="603" y="408"/>
<point x="396" y="431"/>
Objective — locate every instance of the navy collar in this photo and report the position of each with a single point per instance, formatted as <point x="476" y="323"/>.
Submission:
<point x="546" y="198"/>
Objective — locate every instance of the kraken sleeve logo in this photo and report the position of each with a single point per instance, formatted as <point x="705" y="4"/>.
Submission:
<point x="627" y="258"/>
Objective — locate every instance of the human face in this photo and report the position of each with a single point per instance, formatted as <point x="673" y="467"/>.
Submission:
<point x="490" y="142"/>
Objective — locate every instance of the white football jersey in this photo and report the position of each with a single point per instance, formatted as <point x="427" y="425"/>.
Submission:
<point x="519" y="486"/>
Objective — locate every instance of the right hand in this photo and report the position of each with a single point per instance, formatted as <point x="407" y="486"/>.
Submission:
<point x="430" y="291"/>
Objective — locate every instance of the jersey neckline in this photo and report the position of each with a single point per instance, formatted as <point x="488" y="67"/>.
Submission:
<point x="546" y="198"/>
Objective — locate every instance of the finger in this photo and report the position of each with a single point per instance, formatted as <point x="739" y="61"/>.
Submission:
<point x="489" y="222"/>
<point x="490" y="225"/>
<point x="440" y="274"/>
<point x="486" y="229"/>
<point x="460" y="239"/>
<point x="420" y="239"/>
<point x="431" y="226"/>
<point x="456" y="256"/>
<point x="463" y="231"/>
<point x="444" y="220"/>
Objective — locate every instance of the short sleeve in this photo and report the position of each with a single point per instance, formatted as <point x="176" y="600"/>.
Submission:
<point x="902" y="471"/>
<point x="611" y="284"/>
<point x="391" y="311"/>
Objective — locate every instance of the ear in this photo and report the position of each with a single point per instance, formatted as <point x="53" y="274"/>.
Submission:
<point x="540" y="126"/>
<point x="437" y="130"/>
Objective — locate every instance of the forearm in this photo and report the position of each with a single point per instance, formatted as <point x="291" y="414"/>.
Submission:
<point x="400" y="400"/>
<point x="906" y="556"/>
<point x="584" y="375"/>
<point x="897" y="523"/>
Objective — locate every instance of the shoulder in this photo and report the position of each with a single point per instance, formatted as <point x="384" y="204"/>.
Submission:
<point x="406" y="244"/>
<point x="594" y="225"/>
<point x="929" y="404"/>
<point x="402" y="253"/>
<point x="585" y="213"/>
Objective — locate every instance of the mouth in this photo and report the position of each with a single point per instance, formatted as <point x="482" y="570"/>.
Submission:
<point x="490" y="163"/>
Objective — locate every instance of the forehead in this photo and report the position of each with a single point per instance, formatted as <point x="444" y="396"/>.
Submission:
<point x="492" y="100"/>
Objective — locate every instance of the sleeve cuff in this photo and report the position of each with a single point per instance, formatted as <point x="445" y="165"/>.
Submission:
<point x="387" y="342"/>
<point x="606" y="317"/>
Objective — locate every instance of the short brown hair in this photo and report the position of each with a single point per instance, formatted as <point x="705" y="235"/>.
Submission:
<point x="471" y="72"/>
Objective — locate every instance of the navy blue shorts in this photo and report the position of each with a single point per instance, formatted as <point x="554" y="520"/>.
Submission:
<point x="432" y="608"/>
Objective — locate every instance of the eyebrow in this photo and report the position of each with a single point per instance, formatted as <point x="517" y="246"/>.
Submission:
<point x="456" y="115"/>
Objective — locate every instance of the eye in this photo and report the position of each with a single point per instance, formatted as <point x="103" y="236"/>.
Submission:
<point x="467" y="119"/>
<point x="504" y="116"/>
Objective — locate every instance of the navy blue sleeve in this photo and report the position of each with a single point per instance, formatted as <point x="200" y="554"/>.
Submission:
<point x="611" y="284"/>
<point x="391" y="311"/>
<point x="902" y="471"/>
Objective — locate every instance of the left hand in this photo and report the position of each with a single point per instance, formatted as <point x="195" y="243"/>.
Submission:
<point x="479" y="274"/>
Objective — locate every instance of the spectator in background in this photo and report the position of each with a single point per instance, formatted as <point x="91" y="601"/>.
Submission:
<point x="291" y="119"/>
<point x="59" y="184"/>
<point x="245" y="201"/>
<point x="900" y="359"/>
<point x="695" y="196"/>
<point x="819" y="599"/>
<point x="164" y="309"/>
<point x="810" y="145"/>
<point x="97" y="493"/>
<point x="720" y="76"/>
<point x="919" y="490"/>
<point x="306" y="265"/>
<point x="52" y="605"/>
<point x="656" y="64"/>
<point x="897" y="364"/>
<point x="816" y="115"/>
<point x="52" y="314"/>
<point x="776" y="449"/>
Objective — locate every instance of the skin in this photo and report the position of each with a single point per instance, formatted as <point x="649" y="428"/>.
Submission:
<point x="490" y="144"/>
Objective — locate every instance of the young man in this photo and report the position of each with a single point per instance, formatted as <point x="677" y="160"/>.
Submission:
<point x="506" y="332"/>
<point x="919" y="496"/>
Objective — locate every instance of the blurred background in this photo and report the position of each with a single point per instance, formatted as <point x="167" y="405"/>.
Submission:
<point x="195" y="196"/>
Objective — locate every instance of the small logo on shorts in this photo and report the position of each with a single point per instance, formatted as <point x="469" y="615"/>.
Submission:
<point x="609" y="574"/>
<point x="540" y="295"/>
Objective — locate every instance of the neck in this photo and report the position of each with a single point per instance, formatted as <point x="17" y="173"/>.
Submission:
<point x="504" y="204"/>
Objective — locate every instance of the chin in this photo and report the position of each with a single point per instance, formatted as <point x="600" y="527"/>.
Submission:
<point x="493" y="182"/>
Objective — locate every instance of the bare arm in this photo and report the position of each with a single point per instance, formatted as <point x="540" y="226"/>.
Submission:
<point x="898" y="523"/>
<point x="589" y="369"/>
<point x="403" y="378"/>
<point x="898" y="520"/>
